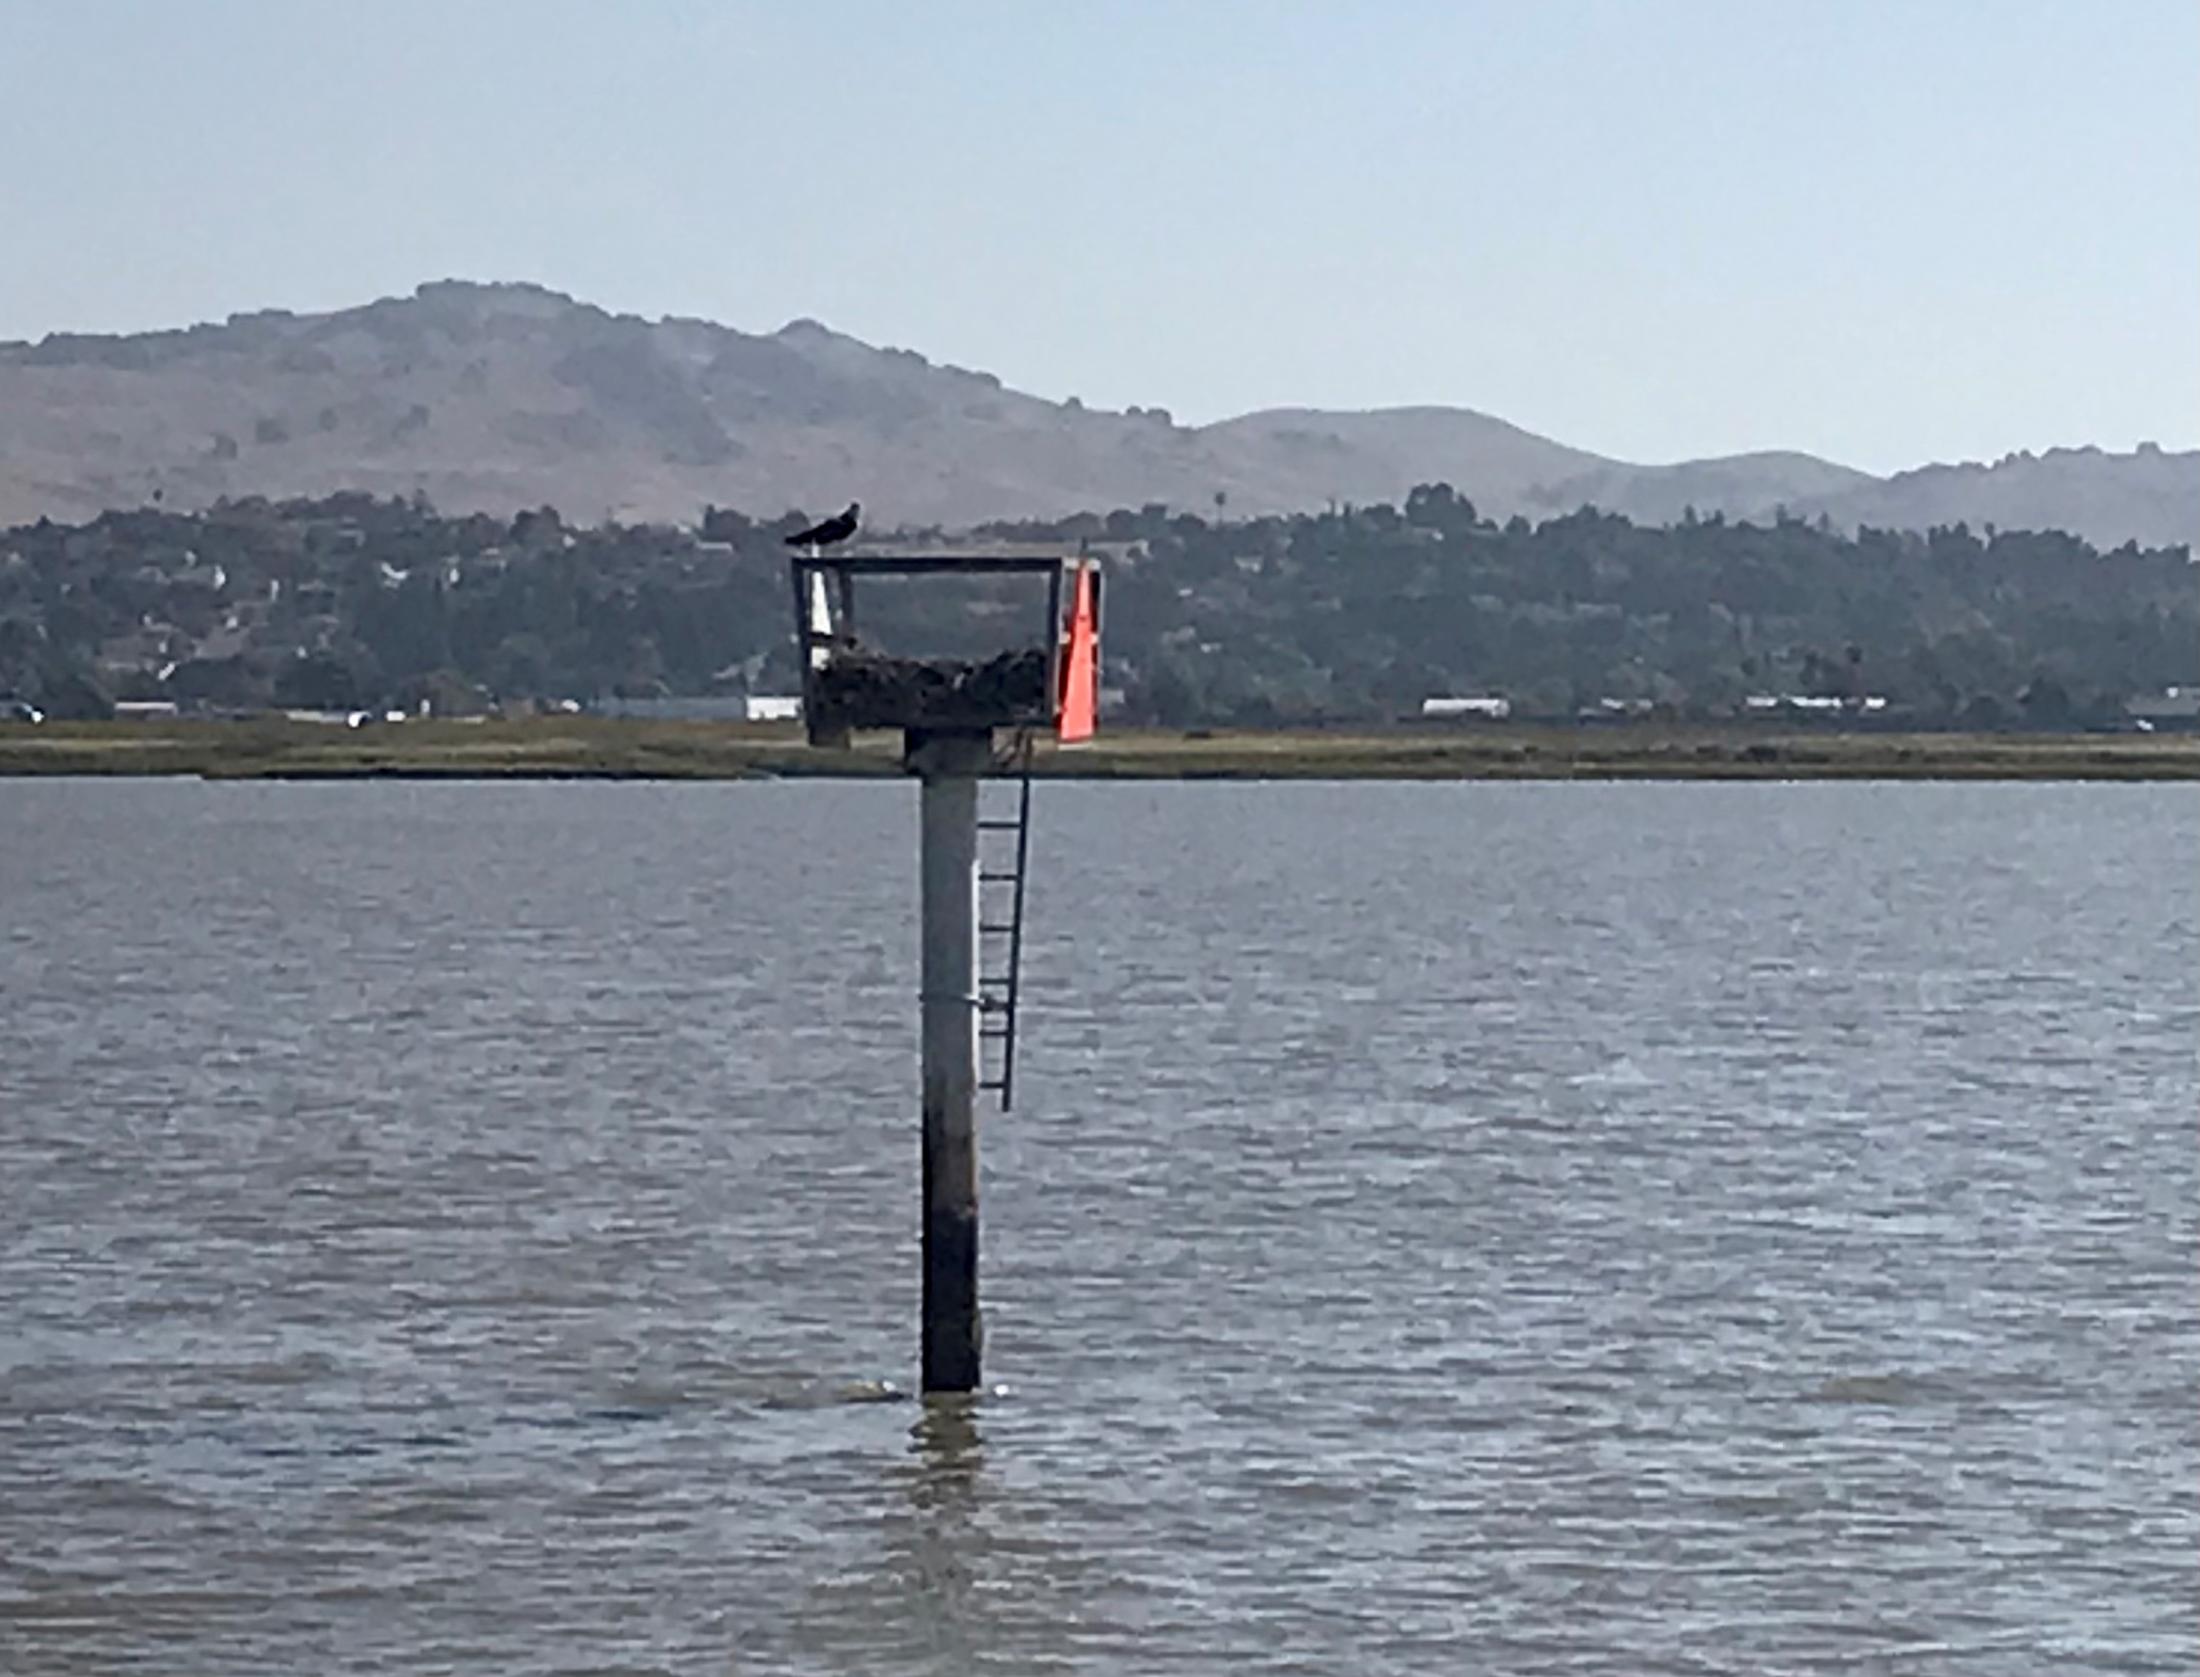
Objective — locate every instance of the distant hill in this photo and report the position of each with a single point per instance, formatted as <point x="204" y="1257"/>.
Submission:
<point x="496" y="397"/>
<point x="2151" y="497"/>
<point x="1752" y="486"/>
<point x="1306" y="456"/>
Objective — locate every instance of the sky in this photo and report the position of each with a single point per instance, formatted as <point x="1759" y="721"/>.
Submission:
<point x="1885" y="233"/>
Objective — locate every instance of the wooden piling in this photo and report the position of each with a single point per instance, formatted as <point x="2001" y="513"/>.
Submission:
<point x="949" y="765"/>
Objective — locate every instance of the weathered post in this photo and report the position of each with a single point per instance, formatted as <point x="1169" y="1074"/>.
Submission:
<point x="948" y="765"/>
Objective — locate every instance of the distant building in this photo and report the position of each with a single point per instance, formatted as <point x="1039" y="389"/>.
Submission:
<point x="330" y="718"/>
<point x="144" y="710"/>
<point x="1615" y="710"/>
<point x="721" y="707"/>
<point x="2173" y="707"/>
<point x="1812" y="704"/>
<point x="1488" y="709"/>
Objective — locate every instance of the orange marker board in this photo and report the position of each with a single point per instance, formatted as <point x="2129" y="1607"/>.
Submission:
<point x="1079" y="712"/>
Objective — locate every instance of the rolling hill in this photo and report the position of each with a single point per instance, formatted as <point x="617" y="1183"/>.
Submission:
<point x="493" y="397"/>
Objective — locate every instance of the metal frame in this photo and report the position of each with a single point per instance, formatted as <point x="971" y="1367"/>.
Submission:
<point x="844" y="568"/>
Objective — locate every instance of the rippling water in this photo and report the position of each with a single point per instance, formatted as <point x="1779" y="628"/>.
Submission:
<point x="1513" y="1228"/>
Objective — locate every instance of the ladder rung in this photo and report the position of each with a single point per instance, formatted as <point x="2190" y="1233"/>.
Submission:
<point x="1001" y="982"/>
<point x="994" y="1004"/>
<point x="997" y="879"/>
<point x="996" y="930"/>
<point x="992" y="1085"/>
<point x="992" y="826"/>
<point x="987" y="1033"/>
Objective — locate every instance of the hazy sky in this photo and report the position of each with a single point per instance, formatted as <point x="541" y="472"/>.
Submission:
<point x="1885" y="233"/>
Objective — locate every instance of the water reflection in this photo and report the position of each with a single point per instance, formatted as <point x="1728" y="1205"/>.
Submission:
<point x="935" y="1533"/>
<point x="947" y="1454"/>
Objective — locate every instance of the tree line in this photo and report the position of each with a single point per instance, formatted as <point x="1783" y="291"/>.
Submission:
<point x="1351" y="614"/>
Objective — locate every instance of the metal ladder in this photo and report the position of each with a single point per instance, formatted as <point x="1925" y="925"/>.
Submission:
<point x="1004" y="857"/>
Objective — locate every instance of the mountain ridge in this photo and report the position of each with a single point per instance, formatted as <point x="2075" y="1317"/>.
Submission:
<point x="496" y="395"/>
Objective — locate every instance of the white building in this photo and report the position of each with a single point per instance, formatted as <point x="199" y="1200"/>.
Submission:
<point x="1491" y="709"/>
<point x="728" y="707"/>
<point x="1813" y="704"/>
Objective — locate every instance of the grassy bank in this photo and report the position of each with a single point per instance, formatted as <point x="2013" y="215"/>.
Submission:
<point x="585" y="747"/>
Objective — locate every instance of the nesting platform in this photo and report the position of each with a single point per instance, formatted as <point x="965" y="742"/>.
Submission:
<point x="859" y="688"/>
<point x="1048" y="682"/>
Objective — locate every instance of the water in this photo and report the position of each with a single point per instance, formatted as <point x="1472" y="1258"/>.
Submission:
<point x="1515" y="1228"/>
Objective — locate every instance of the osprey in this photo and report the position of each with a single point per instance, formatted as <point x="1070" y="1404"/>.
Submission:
<point x="837" y="529"/>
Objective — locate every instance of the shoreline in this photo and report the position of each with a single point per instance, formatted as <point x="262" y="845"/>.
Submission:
<point x="595" y="748"/>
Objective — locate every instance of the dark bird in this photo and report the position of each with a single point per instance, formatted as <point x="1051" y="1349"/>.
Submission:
<point x="835" y="529"/>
